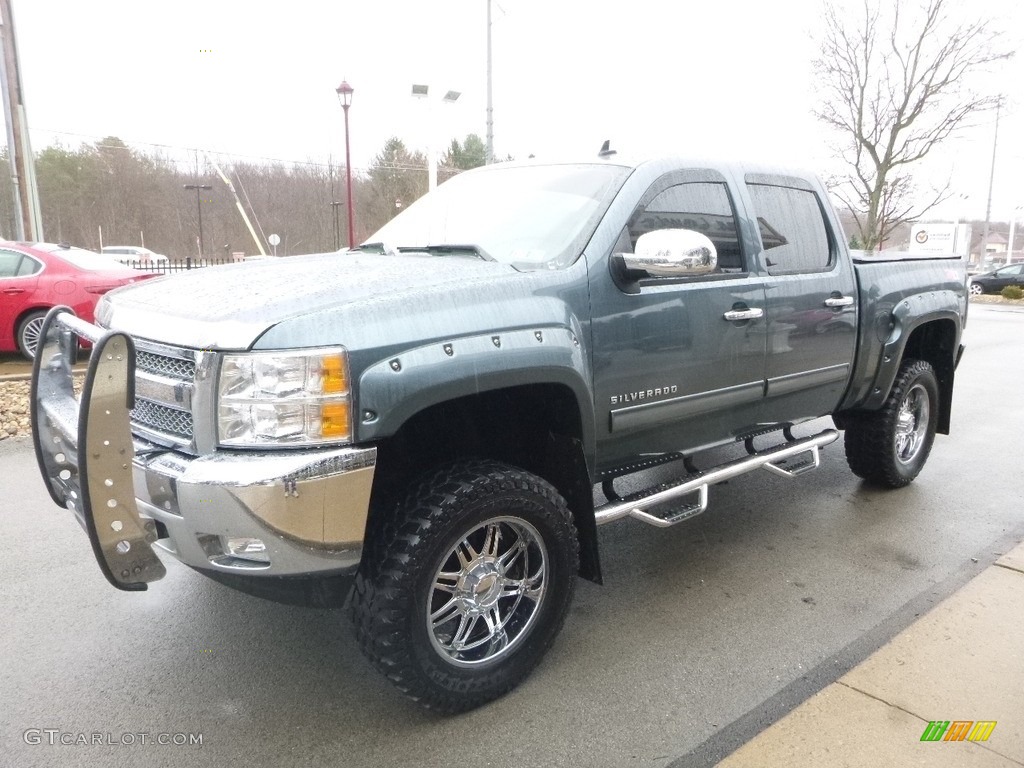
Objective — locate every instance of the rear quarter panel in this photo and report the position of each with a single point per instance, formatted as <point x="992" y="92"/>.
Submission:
<point x="896" y="297"/>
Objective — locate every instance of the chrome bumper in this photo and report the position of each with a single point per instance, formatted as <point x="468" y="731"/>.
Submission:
<point x="308" y="508"/>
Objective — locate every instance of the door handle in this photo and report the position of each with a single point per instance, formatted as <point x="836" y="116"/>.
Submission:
<point x="13" y="291"/>
<point x="839" y="301"/>
<point x="743" y="314"/>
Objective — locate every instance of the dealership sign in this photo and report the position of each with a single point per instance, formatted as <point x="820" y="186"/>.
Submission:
<point x="940" y="237"/>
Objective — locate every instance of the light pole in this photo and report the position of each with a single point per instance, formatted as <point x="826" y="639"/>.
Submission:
<point x="423" y="92"/>
<point x="1013" y="233"/>
<point x="199" y="209"/>
<point x="991" y="179"/>
<point x="345" y="98"/>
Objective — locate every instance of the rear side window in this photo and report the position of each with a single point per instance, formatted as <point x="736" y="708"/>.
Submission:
<point x="704" y="207"/>
<point x="9" y="263"/>
<point x="29" y="266"/>
<point x="792" y="229"/>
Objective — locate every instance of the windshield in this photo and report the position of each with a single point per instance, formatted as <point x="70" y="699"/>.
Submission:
<point x="528" y="216"/>
<point x="83" y="259"/>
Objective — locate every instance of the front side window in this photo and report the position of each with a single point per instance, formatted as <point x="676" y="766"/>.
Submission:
<point x="700" y="206"/>
<point x="792" y="228"/>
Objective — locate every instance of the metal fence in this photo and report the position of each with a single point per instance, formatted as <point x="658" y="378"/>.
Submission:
<point x="170" y="267"/>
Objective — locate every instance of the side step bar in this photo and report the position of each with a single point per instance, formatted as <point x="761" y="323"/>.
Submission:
<point x="636" y="505"/>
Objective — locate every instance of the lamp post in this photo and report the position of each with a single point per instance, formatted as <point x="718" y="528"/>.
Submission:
<point x="422" y="92"/>
<point x="345" y="98"/>
<point x="199" y="209"/>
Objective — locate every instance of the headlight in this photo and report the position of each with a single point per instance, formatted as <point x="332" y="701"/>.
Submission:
<point x="284" y="398"/>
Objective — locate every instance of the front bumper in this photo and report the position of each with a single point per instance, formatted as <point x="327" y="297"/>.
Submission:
<point x="307" y="507"/>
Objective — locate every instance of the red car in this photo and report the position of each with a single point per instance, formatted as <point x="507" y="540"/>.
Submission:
<point x="37" y="276"/>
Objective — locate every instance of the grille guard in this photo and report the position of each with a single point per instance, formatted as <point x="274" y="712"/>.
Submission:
<point x="85" y="449"/>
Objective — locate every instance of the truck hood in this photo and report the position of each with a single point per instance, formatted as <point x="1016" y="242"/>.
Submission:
<point x="230" y="306"/>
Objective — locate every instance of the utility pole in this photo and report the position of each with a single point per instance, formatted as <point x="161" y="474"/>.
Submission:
<point x="199" y="209"/>
<point x="29" y="221"/>
<point x="489" y="155"/>
<point x="335" y="204"/>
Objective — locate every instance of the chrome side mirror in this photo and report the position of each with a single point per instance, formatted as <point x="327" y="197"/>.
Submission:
<point x="671" y="253"/>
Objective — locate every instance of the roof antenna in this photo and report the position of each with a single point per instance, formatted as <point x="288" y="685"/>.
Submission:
<point x="606" y="150"/>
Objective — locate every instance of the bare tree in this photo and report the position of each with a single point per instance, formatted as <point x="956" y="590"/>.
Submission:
<point x="897" y="81"/>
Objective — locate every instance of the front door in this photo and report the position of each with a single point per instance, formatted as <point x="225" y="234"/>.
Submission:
<point x="671" y="371"/>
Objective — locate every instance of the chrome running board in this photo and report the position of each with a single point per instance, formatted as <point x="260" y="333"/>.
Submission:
<point x="637" y="504"/>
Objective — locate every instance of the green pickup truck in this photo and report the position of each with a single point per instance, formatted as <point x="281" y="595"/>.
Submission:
<point x="418" y="425"/>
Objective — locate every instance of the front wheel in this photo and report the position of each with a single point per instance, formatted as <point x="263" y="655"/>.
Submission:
<point x="976" y="290"/>
<point x="459" y="596"/>
<point x="890" y="446"/>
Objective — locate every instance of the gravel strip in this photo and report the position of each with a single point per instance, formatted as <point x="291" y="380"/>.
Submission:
<point x="14" y="412"/>
<point x="14" y="419"/>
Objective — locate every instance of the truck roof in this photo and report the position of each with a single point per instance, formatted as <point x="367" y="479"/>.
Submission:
<point x="739" y="167"/>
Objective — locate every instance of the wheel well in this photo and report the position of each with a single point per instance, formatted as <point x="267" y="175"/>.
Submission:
<point x="935" y="342"/>
<point x="536" y="427"/>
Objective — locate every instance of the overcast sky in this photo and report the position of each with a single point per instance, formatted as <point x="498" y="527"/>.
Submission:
<point x="726" y="78"/>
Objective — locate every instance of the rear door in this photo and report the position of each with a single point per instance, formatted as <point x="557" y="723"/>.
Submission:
<point x="18" y="282"/>
<point x="671" y="371"/>
<point x="811" y="298"/>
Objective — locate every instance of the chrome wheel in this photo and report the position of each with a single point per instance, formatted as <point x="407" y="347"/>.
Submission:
<point x="487" y="591"/>
<point x="976" y="290"/>
<point x="29" y="333"/>
<point x="912" y="424"/>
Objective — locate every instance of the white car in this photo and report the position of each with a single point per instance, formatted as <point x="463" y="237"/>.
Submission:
<point x="133" y="253"/>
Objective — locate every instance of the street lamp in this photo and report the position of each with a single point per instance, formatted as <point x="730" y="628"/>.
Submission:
<point x="199" y="209"/>
<point x="420" y="91"/>
<point x="345" y="98"/>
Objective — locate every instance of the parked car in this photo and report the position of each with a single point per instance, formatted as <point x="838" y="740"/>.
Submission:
<point x="994" y="282"/>
<point x="133" y="253"/>
<point x="35" y="277"/>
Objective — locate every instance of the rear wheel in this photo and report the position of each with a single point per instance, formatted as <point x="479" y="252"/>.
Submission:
<point x="890" y="446"/>
<point x="29" y="330"/>
<point x="461" y="594"/>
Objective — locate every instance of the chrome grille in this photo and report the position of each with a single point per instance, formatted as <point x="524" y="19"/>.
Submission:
<point x="164" y="365"/>
<point x="161" y="418"/>
<point x="165" y="377"/>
